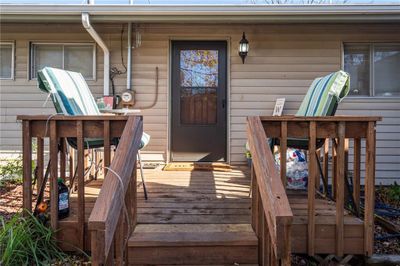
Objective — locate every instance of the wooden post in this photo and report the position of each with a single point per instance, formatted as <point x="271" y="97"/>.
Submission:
<point x="254" y="200"/>
<point x="119" y="240"/>
<point x="318" y="176"/>
<point x="266" y="244"/>
<point x="325" y="164"/>
<point x="40" y="162"/>
<point x="134" y="196"/>
<point x="356" y="173"/>
<point x="283" y="148"/>
<point x="71" y="164"/>
<point x="81" y="184"/>
<point x="260" y="230"/>
<point x="340" y="189"/>
<point x="63" y="150"/>
<point x="369" y="190"/>
<point x="334" y="168"/>
<point x="97" y="247"/>
<point x="311" y="188"/>
<point x="107" y="148"/>
<point x="27" y="165"/>
<point x="53" y="175"/>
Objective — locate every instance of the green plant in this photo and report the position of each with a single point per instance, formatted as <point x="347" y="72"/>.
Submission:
<point x="394" y="192"/>
<point x="389" y="194"/>
<point x="11" y="171"/>
<point x="248" y="155"/>
<point x="27" y="241"/>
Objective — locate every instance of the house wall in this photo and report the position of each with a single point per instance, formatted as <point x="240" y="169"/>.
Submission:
<point x="282" y="62"/>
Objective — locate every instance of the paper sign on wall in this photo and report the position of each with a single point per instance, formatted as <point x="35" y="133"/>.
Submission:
<point x="280" y="102"/>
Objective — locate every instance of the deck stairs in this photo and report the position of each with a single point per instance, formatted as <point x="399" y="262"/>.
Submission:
<point x="193" y="244"/>
<point x="194" y="218"/>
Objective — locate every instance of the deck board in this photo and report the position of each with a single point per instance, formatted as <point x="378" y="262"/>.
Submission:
<point x="216" y="201"/>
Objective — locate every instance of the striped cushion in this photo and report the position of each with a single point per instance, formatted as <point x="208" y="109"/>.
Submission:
<point x="71" y="96"/>
<point x="69" y="91"/>
<point x="324" y="93"/>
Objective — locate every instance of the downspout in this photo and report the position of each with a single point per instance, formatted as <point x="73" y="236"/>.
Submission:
<point x="100" y="42"/>
<point x="129" y="61"/>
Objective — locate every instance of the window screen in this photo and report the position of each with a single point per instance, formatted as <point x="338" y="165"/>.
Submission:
<point x="6" y="60"/>
<point x="73" y="57"/>
<point x="357" y="64"/>
<point x="373" y="68"/>
<point x="387" y="70"/>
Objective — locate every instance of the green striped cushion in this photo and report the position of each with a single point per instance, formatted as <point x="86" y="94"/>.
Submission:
<point x="69" y="91"/>
<point x="324" y="93"/>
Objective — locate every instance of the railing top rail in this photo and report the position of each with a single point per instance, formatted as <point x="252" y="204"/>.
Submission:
<point x="336" y="118"/>
<point x="272" y="191"/>
<point x="104" y="117"/>
<point x="109" y="203"/>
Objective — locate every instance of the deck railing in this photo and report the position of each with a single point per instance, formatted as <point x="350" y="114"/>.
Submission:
<point x="271" y="213"/>
<point x="113" y="217"/>
<point x="339" y="129"/>
<point x="57" y="129"/>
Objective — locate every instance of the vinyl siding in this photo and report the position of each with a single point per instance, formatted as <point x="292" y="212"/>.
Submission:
<point x="282" y="62"/>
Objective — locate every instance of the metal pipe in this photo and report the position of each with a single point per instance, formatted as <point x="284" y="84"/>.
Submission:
<point x="86" y="24"/>
<point x="129" y="61"/>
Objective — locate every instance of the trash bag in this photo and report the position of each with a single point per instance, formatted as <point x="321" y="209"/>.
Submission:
<point x="296" y="168"/>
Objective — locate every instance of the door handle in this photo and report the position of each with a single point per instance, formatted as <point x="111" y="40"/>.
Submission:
<point x="223" y="103"/>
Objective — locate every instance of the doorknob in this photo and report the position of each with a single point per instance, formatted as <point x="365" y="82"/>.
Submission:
<point x="223" y="103"/>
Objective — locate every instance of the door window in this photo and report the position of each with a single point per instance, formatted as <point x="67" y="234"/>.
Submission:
<point x="199" y="81"/>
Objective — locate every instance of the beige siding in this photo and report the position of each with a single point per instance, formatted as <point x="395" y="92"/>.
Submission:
<point x="282" y="62"/>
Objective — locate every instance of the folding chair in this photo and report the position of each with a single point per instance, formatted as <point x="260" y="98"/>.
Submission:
<point x="71" y="96"/>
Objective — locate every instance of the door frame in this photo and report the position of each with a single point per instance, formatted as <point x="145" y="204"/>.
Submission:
<point x="228" y="88"/>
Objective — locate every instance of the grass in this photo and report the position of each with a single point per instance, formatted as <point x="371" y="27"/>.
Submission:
<point x="27" y="241"/>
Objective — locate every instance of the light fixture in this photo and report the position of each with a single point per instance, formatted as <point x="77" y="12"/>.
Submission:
<point x="243" y="47"/>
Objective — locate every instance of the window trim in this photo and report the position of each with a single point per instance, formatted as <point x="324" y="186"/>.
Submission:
<point x="371" y="45"/>
<point x="12" y="43"/>
<point x="63" y="44"/>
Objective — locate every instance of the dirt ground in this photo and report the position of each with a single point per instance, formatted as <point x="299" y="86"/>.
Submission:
<point x="10" y="200"/>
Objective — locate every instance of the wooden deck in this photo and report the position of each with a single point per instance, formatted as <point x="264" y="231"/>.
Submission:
<point x="207" y="215"/>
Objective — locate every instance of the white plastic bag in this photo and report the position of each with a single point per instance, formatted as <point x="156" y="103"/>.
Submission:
<point x="296" y="168"/>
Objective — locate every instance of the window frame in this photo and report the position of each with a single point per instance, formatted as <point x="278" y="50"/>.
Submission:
<point x="63" y="44"/>
<point x="12" y="43"/>
<point x="371" y="67"/>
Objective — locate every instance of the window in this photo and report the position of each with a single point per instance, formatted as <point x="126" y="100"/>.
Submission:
<point x="74" y="57"/>
<point x="6" y="60"/>
<point x="374" y="69"/>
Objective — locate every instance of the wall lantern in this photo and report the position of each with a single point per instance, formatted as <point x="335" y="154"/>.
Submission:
<point x="243" y="47"/>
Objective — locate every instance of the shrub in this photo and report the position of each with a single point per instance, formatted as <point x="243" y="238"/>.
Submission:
<point x="11" y="172"/>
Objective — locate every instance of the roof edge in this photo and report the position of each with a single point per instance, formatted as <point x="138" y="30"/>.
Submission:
<point x="196" y="13"/>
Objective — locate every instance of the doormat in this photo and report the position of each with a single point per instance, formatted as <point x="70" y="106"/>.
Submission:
<point x="222" y="167"/>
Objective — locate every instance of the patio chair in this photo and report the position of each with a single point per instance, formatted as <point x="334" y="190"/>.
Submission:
<point x="322" y="99"/>
<point x="71" y="96"/>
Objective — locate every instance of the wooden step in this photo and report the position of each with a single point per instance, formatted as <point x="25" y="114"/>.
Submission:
<point x="193" y="244"/>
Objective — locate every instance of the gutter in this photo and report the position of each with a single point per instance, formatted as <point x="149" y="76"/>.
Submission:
<point x="106" y="76"/>
<point x="203" y="13"/>
<point x="201" y="10"/>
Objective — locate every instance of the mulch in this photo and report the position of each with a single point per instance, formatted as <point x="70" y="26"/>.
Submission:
<point x="390" y="245"/>
<point x="10" y="200"/>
